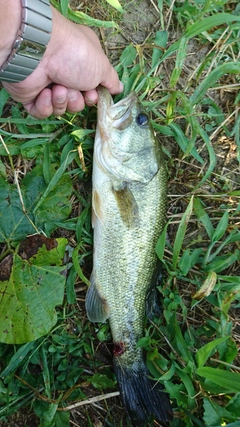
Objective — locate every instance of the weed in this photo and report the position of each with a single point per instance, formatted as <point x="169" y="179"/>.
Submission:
<point x="186" y="73"/>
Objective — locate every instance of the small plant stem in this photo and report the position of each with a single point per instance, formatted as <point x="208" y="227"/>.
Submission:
<point x="90" y="401"/>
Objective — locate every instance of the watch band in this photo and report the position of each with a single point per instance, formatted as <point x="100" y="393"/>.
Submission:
<point x="31" y="41"/>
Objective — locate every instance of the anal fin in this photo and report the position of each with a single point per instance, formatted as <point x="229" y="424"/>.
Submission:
<point x="97" y="307"/>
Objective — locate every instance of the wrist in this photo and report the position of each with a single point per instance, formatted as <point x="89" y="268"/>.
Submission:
<point x="30" y="42"/>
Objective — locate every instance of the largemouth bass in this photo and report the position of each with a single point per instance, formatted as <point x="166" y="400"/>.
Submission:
<point x="128" y="214"/>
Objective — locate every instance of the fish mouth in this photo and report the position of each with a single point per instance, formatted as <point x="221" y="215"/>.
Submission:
<point x="117" y="113"/>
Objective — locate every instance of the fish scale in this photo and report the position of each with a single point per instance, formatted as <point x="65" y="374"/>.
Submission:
<point x="129" y="210"/>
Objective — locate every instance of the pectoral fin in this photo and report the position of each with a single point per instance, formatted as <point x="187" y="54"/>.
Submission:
<point x="96" y="306"/>
<point x="127" y="205"/>
<point x="96" y="207"/>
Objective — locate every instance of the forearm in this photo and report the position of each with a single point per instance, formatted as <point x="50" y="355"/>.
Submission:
<point x="10" y="22"/>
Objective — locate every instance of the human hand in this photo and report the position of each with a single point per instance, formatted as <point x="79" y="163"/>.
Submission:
<point x="72" y="67"/>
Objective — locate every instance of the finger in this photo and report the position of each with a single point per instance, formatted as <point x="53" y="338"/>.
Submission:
<point x="91" y="97"/>
<point x="59" y="99"/>
<point x="112" y="82"/>
<point x="42" y="106"/>
<point x="75" y="101"/>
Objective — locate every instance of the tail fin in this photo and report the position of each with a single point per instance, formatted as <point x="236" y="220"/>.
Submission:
<point x="142" y="397"/>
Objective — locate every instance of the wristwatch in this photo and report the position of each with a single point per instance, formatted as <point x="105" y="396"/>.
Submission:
<point x="31" y="41"/>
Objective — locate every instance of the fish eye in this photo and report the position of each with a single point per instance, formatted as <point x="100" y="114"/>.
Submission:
<point x="142" y="119"/>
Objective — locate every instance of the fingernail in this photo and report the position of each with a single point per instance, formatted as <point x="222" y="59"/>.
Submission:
<point x="121" y="86"/>
<point x="90" y="101"/>
<point x="61" y="99"/>
<point x="72" y="97"/>
<point x="47" y="101"/>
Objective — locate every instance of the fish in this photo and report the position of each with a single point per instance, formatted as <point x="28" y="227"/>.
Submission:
<point x="129" y="200"/>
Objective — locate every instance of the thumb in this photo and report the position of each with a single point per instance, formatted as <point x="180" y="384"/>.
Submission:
<point x="112" y="82"/>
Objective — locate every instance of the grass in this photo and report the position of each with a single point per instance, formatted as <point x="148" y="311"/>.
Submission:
<point x="186" y="72"/>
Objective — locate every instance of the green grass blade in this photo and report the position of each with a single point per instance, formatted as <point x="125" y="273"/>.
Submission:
<point x="221" y="228"/>
<point x="76" y="263"/>
<point x="210" y="22"/>
<point x="206" y="351"/>
<point x="116" y="5"/>
<point x="161" y="243"/>
<point x="184" y="143"/>
<point x="189" y="387"/>
<point x="4" y="95"/>
<point x="210" y="80"/>
<point x="17" y="359"/>
<point x="45" y="371"/>
<point x="211" y="153"/>
<point x="196" y="29"/>
<point x="229" y="380"/>
<point x="181" y="232"/>
<point x="57" y="176"/>
<point x="83" y="18"/>
<point x="64" y="6"/>
<point x="202" y="215"/>
<point x="160" y="42"/>
<point x="181" y="55"/>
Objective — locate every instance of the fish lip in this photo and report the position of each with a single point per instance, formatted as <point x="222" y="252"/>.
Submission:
<point x="116" y="112"/>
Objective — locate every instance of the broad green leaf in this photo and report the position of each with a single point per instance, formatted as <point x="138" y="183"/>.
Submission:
<point x="178" y="392"/>
<point x="56" y="206"/>
<point x="181" y="232"/>
<point x="215" y="415"/>
<point x="229" y="380"/>
<point x="206" y="351"/>
<point x="62" y="419"/>
<point x="14" y="225"/>
<point x="28" y="299"/>
<point x="46" y="412"/>
<point x="234" y="405"/>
